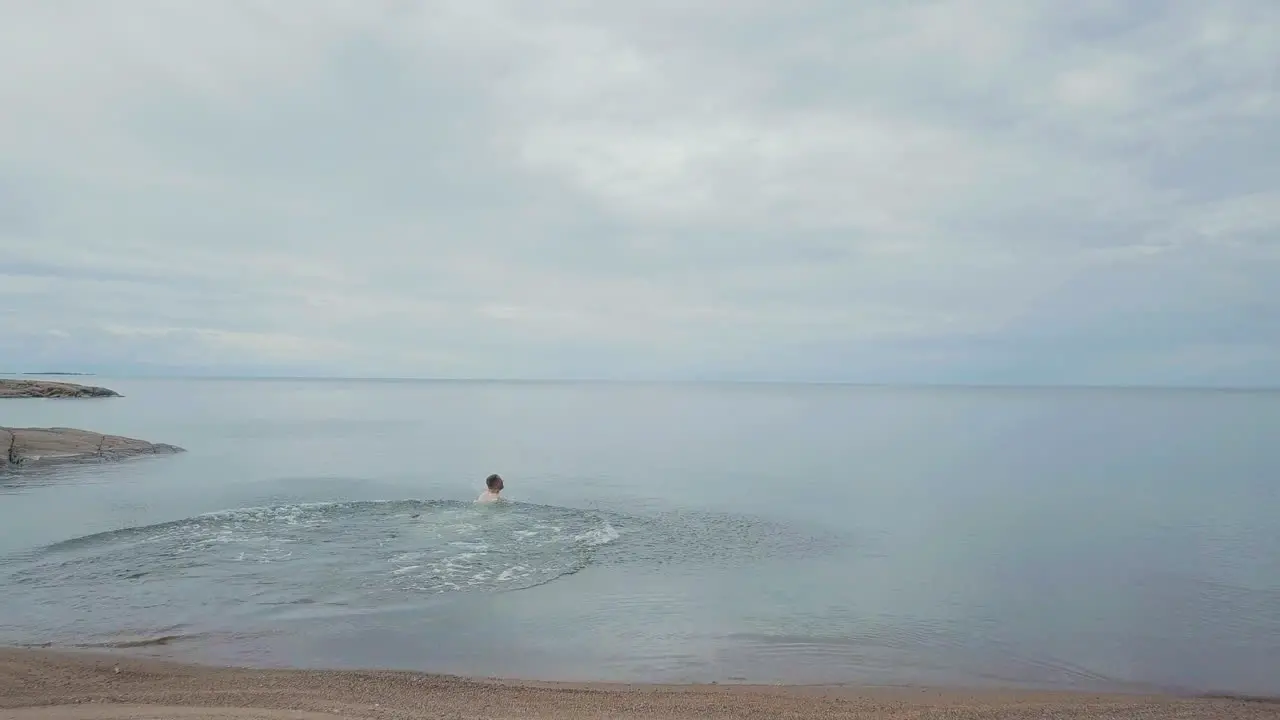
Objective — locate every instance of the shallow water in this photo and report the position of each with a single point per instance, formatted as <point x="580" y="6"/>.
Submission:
<point x="1108" y="539"/>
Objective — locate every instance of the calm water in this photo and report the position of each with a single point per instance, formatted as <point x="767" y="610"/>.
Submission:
<point x="1105" y="539"/>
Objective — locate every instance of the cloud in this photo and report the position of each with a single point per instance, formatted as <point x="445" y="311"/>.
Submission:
<point x="919" y="192"/>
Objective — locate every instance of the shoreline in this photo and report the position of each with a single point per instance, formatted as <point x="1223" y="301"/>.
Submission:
<point x="97" y="685"/>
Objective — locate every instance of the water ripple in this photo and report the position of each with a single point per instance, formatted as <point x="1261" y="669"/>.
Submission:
<point x="366" y="555"/>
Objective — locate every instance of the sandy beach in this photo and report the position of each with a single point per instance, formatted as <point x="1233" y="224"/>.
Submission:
<point x="52" y="685"/>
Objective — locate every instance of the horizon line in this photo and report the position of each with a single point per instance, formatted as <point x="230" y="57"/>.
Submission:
<point x="660" y="381"/>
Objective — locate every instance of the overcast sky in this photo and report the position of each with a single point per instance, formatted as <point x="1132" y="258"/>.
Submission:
<point x="876" y="191"/>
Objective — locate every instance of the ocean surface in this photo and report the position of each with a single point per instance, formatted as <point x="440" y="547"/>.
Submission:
<point x="1062" y="538"/>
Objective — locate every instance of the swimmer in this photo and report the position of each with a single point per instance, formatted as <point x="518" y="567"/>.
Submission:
<point x="493" y="486"/>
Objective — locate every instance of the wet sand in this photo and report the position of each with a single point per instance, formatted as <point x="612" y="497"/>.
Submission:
<point x="53" y="685"/>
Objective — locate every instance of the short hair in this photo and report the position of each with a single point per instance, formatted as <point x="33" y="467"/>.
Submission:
<point x="492" y="480"/>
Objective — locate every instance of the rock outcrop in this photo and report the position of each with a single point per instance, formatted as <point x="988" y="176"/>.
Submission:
<point x="10" y="388"/>
<point x="30" y="446"/>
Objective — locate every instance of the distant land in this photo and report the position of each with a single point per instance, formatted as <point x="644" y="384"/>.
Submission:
<point x="63" y="374"/>
<point x="56" y="373"/>
<point x="51" y="389"/>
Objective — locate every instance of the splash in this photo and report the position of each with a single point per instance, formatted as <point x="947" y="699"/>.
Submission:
<point x="335" y="559"/>
<point x="375" y="547"/>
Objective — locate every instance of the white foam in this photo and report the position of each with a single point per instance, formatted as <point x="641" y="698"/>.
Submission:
<point x="445" y="551"/>
<point x="600" y="536"/>
<point x="513" y="573"/>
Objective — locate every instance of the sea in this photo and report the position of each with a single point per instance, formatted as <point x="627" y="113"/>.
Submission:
<point x="1100" y="539"/>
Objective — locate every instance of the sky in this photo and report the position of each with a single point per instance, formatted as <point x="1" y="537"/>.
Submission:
<point x="990" y="191"/>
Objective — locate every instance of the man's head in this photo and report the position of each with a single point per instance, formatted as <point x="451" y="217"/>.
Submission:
<point x="493" y="482"/>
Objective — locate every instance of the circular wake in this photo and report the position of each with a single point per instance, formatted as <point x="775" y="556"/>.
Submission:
<point x="332" y="559"/>
<point x="370" y="547"/>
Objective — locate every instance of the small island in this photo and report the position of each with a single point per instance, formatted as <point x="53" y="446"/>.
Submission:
<point x="10" y="388"/>
<point x="31" y="446"/>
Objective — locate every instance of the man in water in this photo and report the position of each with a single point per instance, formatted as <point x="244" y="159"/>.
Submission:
<point x="493" y="486"/>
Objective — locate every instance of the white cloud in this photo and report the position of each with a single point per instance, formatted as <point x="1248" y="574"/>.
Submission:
<point x="503" y="188"/>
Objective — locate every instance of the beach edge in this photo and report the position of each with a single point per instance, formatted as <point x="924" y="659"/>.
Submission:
<point x="61" y="684"/>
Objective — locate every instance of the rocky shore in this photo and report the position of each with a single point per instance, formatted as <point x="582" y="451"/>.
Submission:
<point x="29" y="446"/>
<point x="17" y="388"/>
